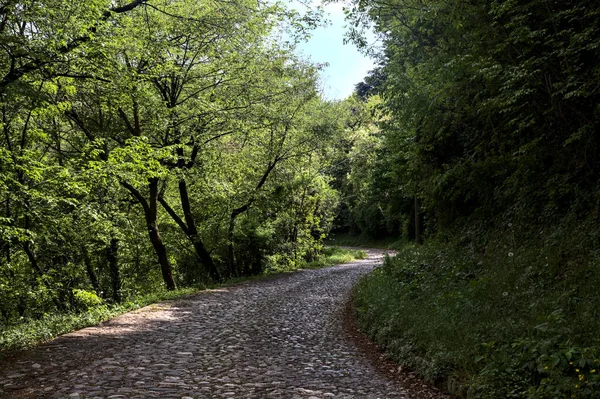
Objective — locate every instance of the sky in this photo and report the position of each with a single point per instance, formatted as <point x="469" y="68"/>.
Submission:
<point x="347" y="66"/>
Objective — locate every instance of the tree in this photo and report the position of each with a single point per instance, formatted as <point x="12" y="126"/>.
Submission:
<point x="33" y="43"/>
<point x="145" y="144"/>
<point x="482" y="92"/>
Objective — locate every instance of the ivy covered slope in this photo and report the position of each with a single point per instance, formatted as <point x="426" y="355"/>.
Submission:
<point x="488" y="153"/>
<point x="151" y="145"/>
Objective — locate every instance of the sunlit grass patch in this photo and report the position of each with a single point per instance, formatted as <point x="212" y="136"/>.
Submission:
<point x="29" y="333"/>
<point x="335" y="256"/>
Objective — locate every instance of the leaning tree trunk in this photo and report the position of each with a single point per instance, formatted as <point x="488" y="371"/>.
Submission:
<point x="155" y="238"/>
<point x="194" y="236"/>
<point x="151" y="216"/>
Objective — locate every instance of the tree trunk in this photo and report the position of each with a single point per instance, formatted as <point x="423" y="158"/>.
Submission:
<point x="230" y="235"/>
<point x="418" y="223"/>
<point x="155" y="238"/>
<point x="230" y="252"/>
<point x="7" y="243"/>
<point x="113" y="264"/>
<point x="192" y="233"/>
<point x="151" y="215"/>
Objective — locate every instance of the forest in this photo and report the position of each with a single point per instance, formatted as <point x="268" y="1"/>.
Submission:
<point x="150" y="147"/>
<point x="488" y="157"/>
<point x="156" y="145"/>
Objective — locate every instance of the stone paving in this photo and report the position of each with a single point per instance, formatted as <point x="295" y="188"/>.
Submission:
<point x="280" y="337"/>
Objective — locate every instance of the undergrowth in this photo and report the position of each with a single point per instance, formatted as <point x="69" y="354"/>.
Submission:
<point x="514" y="317"/>
<point x="92" y="310"/>
<point x="363" y="241"/>
<point x="335" y="256"/>
<point x="29" y="333"/>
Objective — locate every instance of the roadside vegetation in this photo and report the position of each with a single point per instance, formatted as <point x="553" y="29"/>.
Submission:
<point x="364" y="241"/>
<point x="151" y="146"/>
<point x="335" y="256"/>
<point x="92" y="310"/>
<point x="510" y="322"/>
<point x="486" y="168"/>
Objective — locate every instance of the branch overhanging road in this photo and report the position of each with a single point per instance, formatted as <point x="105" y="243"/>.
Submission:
<point x="281" y="337"/>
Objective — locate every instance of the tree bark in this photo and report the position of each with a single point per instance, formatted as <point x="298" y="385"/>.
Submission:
<point x="7" y="243"/>
<point x="188" y="225"/>
<point x="151" y="216"/>
<point x="230" y="235"/>
<point x="155" y="238"/>
<point x="193" y="235"/>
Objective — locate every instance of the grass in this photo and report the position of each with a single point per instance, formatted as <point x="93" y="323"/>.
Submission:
<point x="30" y="333"/>
<point x="363" y="241"/>
<point x="514" y="318"/>
<point x="335" y="256"/>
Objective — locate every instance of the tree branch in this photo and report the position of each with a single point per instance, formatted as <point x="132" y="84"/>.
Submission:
<point x="16" y="73"/>
<point x="137" y="195"/>
<point x="174" y="215"/>
<point x="126" y="120"/>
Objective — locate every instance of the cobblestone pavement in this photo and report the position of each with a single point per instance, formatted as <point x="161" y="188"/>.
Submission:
<point x="280" y="337"/>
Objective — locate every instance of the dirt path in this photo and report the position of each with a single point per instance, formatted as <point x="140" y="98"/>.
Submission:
<point x="281" y="337"/>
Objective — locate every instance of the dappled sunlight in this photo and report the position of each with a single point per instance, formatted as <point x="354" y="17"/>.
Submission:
<point x="273" y="337"/>
<point x="139" y="320"/>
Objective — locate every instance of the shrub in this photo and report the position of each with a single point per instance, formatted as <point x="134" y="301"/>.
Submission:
<point x="517" y="319"/>
<point x="85" y="300"/>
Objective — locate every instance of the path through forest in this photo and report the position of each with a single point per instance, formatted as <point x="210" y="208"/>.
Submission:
<point x="280" y="337"/>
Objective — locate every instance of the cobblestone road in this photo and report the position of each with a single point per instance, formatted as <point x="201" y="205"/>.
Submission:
<point x="280" y="337"/>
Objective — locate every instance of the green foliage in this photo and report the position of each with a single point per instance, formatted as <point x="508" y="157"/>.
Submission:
<point x="31" y="332"/>
<point x="359" y="166"/>
<point x="85" y="300"/>
<point x="496" y="320"/>
<point x="150" y="145"/>
<point x="363" y="241"/>
<point x="301" y="222"/>
<point x="335" y="256"/>
<point x="484" y="114"/>
<point x="488" y="129"/>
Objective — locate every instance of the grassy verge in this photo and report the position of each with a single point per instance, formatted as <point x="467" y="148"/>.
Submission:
<point x="363" y="241"/>
<point x="30" y="333"/>
<point x="335" y="256"/>
<point x="506" y="321"/>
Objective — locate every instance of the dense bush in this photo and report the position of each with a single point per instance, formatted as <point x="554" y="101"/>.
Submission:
<point x="509" y="317"/>
<point x="488" y="144"/>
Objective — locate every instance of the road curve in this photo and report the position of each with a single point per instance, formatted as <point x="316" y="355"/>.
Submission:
<point x="280" y="337"/>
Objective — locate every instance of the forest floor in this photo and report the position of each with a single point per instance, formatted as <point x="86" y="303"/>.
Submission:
<point x="290" y="336"/>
